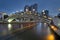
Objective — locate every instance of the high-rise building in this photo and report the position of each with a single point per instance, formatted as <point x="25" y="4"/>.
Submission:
<point x="30" y="9"/>
<point x="45" y="12"/>
<point x="33" y="7"/>
<point x="26" y="8"/>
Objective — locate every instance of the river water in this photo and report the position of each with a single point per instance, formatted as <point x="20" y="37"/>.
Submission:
<point x="39" y="32"/>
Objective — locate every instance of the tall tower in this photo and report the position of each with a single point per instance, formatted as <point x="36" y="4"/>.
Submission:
<point x="33" y="7"/>
<point x="26" y="8"/>
<point x="45" y="13"/>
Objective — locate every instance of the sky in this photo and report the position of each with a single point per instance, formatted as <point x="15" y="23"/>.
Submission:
<point x="10" y="6"/>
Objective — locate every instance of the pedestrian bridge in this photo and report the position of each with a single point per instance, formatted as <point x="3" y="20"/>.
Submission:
<point x="34" y="18"/>
<point x="25" y="17"/>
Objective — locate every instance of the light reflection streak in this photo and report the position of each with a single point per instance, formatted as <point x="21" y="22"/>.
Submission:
<point x="9" y="26"/>
<point x="50" y="37"/>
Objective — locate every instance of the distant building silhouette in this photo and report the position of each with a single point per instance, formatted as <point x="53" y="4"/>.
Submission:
<point x="31" y="8"/>
<point x="45" y="12"/>
<point x="26" y="8"/>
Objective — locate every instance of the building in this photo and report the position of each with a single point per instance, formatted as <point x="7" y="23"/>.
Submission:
<point x="3" y="15"/>
<point x="26" y="8"/>
<point x="56" y="20"/>
<point x="45" y="13"/>
<point x="6" y="16"/>
<point x="33" y="7"/>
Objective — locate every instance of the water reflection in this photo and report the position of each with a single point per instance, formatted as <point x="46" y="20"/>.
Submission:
<point x="42" y="28"/>
<point x="50" y="37"/>
<point x="41" y="31"/>
<point x="9" y="26"/>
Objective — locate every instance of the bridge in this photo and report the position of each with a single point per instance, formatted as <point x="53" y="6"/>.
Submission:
<point x="27" y="17"/>
<point x="30" y="20"/>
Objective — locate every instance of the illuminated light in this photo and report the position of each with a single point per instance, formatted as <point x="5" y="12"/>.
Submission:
<point x="45" y="17"/>
<point x="44" y="23"/>
<point x="53" y="27"/>
<point x="9" y="26"/>
<point x="50" y="18"/>
<point x="33" y="9"/>
<point x="10" y="20"/>
<point x="27" y="10"/>
<point x="50" y="37"/>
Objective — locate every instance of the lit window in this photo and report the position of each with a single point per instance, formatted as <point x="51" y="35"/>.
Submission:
<point x="33" y="9"/>
<point x="26" y="9"/>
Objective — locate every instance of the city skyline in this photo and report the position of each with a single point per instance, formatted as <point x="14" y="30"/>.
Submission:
<point x="10" y="6"/>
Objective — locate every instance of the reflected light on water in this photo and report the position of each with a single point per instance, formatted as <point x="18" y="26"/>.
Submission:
<point x="50" y="37"/>
<point x="9" y="26"/>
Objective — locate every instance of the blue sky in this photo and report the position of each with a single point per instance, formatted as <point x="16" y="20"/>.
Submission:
<point x="10" y="6"/>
